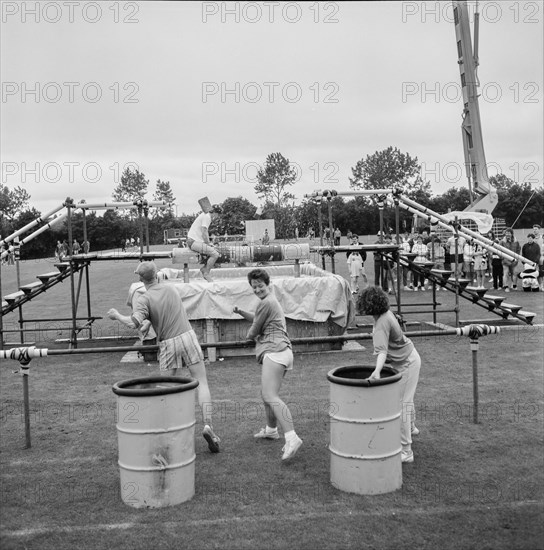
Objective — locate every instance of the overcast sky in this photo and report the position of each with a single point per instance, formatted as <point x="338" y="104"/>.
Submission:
<point x="199" y="93"/>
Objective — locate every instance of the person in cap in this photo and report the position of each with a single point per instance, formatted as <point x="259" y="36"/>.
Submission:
<point x="161" y="307"/>
<point x="198" y="240"/>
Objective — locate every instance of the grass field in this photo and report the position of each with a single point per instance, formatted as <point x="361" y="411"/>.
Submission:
<point x="471" y="486"/>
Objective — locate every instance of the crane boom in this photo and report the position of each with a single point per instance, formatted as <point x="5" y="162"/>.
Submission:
<point x="471" y="127"/>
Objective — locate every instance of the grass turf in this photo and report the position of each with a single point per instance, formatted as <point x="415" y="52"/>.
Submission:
<point x="471" y="486"/>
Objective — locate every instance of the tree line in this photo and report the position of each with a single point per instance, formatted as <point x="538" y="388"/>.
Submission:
<point x="518" y="203"/>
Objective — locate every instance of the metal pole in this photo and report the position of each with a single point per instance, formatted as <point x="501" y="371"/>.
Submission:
<point x="26" y="403"/>
<point x="474" y="348"/>
<point x="73" y="339"/>
<point x="1" y="316"/>
<point x="399" y="268"/>
<point x="381" y="281"/>
<point x="320" y="222"/>
<point x="146" y="217"/>
<point x="331" y="236"/>
<point x="456" y="237"/>
<point x="141" y="227"/>
<point x="16" y="254"/>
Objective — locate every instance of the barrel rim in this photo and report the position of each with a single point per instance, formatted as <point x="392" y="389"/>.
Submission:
<point x="393" y="376"/>
<point x="184" y="384"/>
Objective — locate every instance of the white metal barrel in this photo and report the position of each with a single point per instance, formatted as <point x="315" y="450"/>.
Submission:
<point x="365" y="419"/>
<point x="155" y="428"/>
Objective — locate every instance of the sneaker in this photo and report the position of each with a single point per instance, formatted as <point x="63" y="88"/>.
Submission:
<point x="211" y="438"/>
<point x="423" y="289"/>
<point x="490" y="281"/>
<point x="415" y="289"/>
<point x="291" y="447"/>
<point x="415" y="431"/>
<point x="506" y="289"/>
<point x="407" y="456"/>
<point x="407" y="288"/>
<point x="263" y="434"/>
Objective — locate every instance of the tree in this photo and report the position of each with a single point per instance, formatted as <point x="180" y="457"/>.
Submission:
<point x="133" y="186"/>
<point x="235" y="212"/>
<point x="390" y="168"/>
<point x="274" y="179"/>
<point x="13" y="202"/>
<point x="454" y="199"/>
<point x="163" y="192"/>
<point x="501" y="182"/>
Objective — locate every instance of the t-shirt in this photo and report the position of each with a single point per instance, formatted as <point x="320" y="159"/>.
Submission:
<point x="269" y="329"/>
<point x="388" y="338"/>
<point x="460" y="244"/>
<point x="162" y="305"/>
<point x="202" y="221"/>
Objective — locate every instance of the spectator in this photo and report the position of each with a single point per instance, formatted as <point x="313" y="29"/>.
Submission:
<point x="496" y="268"/>
<point x="532" y="251"/>
<point x="480" y="264"/>
<point x="406" y="248"/>
<point x="539" y="240"/>
<point x="468" y="261"/>
<point x="266" y="238"/>
<point x="86" y="246"/>
<point x="456" y="252"/>
<point x="356" y="269"/>
<point x="337" y="236"/>
<point x="380" y="275"/>
<point x="421" y="251"/>
<point x="509" y="264"/>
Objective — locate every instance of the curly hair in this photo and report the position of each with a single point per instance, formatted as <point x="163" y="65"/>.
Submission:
<point x="258" y="275"/>
<point x="372" y="301"/>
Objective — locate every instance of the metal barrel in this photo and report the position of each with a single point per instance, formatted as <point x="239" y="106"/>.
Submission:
<point x="365" y="420"/>
<point x="155" y="428"/>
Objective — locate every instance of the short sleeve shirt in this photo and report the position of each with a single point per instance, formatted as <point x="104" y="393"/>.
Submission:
<point x="388" y="338"/>
<point x="162" y="305"/>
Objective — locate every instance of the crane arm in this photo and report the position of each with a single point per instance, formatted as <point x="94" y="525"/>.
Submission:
<point x="471" y="127"/>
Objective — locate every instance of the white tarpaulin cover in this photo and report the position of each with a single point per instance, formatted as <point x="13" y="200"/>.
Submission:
<point x="483" y="221"/>
<point x="314" y="296"/>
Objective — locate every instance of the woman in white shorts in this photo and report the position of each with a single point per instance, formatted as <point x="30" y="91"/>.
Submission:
<point x="274" y="352"/>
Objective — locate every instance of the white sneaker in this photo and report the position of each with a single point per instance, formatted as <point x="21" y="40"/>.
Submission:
<point x="291" y="447"/>
<point x="415" y="430"/>
<point x="212" y="439"/>
<point x="406" y="288"/>
<point x="407" y="456"/>
<point x="415" y="289"/>
<point x="263" y="434"/>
